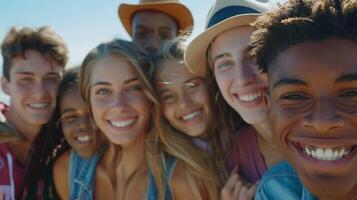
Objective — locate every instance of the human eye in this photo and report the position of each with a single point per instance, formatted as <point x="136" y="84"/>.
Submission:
<point x="135" y="88"/>
<point x="53" y="79"/>
<point x="165" y="34"/>
<point x="194" y="84"/>
<point x="141" y="34"/>
<point x="102" y="91"/>
<point x="224" y="65"/>
<point x="294" y="96"/>
<point x="25" y="79"/>
<point x="70" y="117"/>
<point x="349" y="93"/>
<point x="167" y="98"/>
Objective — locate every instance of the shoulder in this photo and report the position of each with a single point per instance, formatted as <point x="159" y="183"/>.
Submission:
<point x="179" y="183"/>
<point x="62" y="162"/>
<point x="60" y="175"/>
<point x="281" y="179"/>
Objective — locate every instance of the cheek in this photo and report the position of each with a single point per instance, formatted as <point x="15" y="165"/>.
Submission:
<point x="67" y="132"/>
<point x="169" y="112"/>
<point x="222" y="83"/>
<point x="282" y="119"/>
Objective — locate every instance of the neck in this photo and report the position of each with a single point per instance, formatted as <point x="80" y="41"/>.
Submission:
<point x="131" y="158"/>
<point x="26" y="130"/>
<point x="265" y="134"/>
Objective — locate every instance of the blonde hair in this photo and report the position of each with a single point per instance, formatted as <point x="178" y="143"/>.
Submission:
<point x="159" y="139"/>
<point x="197" y="161"/>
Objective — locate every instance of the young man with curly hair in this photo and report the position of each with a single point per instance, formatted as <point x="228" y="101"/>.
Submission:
<point x="308" y="48"/>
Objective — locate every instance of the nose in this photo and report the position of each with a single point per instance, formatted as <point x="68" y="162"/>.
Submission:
<point x="152" y="43"/>
<point x="185" y="100"/>
<point x="120" y="103"/>
<point x="85" y="122"/>
<point x="324" y="118"/>
<point x="40" y="89"/>
<point x="244" y="74"/>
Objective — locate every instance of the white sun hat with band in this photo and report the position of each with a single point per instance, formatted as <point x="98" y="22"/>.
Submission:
<point x="173" y="8"/>
<point x="223" y="15"/>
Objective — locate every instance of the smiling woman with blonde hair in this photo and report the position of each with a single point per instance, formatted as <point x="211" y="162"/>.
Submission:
<point x="159" y="164"/>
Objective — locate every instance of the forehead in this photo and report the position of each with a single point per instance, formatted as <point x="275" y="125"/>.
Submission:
<point x="153" y="19"/>
<point x="233" y="40"/>
<point x="34" y="62"/>
<point x="172" y="72"/>
<point x="113" y="68"/>
<point x="328" y="59"/>
<point x="71" y="98"/>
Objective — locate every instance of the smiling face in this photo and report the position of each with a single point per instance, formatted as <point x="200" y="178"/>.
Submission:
<point x="120" y="108"/>
<point x="33" y="87"/>
<point x="184" y="97"/>
<point x="313" y="113"/>
<point x="240" y="82"/>
<point x="76" y="122"/>
<point x="152" y="29"/>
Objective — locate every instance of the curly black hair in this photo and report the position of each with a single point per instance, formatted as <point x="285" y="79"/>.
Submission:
<point x="299" y="21"/>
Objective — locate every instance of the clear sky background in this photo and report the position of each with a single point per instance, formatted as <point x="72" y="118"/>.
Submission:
<point x="83" y="24"/>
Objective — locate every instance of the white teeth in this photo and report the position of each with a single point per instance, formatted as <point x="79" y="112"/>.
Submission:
<point x="308" y="151"/>
<point x="122" y="124"/>
<point x="326" y="154"/>
<point x="250" y="97"/>
<point x="191" y="115"/>
<point x="84" y="138"/>
<point x="38" y="105"/>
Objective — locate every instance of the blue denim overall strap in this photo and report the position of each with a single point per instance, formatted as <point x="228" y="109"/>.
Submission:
<point x="170" y="167"/>
<point x="81" y="172"/>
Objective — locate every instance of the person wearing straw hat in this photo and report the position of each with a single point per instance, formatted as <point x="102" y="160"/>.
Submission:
<point x="151" y="23"/>
<point x="221" y="53"/>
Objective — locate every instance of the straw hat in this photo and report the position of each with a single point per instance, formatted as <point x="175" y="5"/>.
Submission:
<point x="223" y="15"/>
<point x="172" y="8"/>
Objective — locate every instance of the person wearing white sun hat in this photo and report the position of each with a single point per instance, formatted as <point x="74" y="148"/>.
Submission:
<point x="151" y="23"/>
<point x="221" y="53"/>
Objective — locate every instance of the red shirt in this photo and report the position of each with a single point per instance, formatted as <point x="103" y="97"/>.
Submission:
<point x="11" y="174"/>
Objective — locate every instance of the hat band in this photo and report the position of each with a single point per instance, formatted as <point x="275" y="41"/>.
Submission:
<point x="228" y="12"/>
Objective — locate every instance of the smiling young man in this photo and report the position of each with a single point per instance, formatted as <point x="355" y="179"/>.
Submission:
<point x="152" y="23"/>
<point x="33" y="63"/>
<point x="309" y="50"/>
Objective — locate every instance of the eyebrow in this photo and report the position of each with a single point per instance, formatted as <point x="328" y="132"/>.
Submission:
<point x="289" y="81"/>
<point x="24" y="73"/>
<point x="125" y="82"/>
<point x="346" y="78"/>
<point x="221" y="56"/>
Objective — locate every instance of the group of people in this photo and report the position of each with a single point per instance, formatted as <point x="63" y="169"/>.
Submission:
<point x="260" y="105"/>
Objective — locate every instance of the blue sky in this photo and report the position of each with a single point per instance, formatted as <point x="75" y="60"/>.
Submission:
<point x="83" y="24"/>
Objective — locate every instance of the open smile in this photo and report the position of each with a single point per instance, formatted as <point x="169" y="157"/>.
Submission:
<point x="325" y="154"/>
<point x="123" y="123"/>
<point x="250" y="99"/>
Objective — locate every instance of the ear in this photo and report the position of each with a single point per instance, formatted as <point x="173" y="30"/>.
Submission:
<point x="267" y="100"/>
<point x="5" y="85"/>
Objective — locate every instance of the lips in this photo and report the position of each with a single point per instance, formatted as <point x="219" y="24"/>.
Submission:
<point x="84" y="138"/>
<point x="192" y="115"/>
<point x="252" y="98"/>
<point x="316" y="152"/>
<point x="38" y="105"/>
<point x="123" y="123"/>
